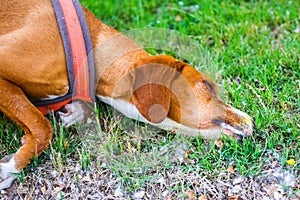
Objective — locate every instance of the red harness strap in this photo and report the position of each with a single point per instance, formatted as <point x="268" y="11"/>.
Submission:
<point x="53" y="107"/>
<point x="77" y="45"/>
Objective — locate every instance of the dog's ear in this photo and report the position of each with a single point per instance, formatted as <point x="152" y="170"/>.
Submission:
<point x="152" y="78"/>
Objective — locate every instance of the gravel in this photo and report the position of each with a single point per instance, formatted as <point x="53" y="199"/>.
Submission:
<point x="101" y="182"/>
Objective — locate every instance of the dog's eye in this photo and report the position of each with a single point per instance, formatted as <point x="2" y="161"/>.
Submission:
<point x="211" y="88"/>
<point x="217" y="121"/>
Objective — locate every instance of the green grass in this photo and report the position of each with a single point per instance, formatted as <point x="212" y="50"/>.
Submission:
<point x="256" y="46"/>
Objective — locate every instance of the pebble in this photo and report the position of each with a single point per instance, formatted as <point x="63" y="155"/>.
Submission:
<point x="119" y="192"/>
<point x="236" y="189"/>
<point x="238" y="180"/>
<point x="165" y="193"/>
<point x="138" y="195"/>
<point x="2" y="192"/>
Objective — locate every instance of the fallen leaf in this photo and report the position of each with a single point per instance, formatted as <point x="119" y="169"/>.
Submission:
<point x="191" y="195"/>
<point x="234" y="198"/>
<point x="186" y="154"/>
<point x="169" y="197"/>
<point x="230" y="169"/>
<point x="43" y="189"/>
<point x="178" y="18"/>
<point x="86" y="179"/>
<point x="219" y="143"/>
<point x="58" y="189"/>
<point x="202" y="197"/>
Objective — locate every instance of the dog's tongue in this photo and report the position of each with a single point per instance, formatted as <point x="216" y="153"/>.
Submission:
<point x="229" y="132"/>
<point x="232" y="132"/>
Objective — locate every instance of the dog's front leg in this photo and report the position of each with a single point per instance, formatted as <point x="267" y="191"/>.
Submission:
<point x="38" y="131"/>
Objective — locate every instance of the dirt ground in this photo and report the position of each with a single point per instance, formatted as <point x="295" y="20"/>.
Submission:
<point x="101" y="182"/>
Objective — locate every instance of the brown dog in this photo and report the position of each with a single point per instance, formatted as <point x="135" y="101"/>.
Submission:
<point x="155" y="89"/>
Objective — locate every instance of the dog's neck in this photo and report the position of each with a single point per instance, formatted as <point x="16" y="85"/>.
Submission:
<point x="114" y="55"/>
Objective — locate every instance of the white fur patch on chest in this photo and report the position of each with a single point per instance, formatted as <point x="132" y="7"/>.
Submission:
<point x="130" y="111"/>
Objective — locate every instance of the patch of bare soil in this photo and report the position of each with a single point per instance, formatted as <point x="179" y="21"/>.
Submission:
<point x="101" y="182"/>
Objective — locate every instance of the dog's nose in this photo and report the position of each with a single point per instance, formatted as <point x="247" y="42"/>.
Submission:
<point x="250" y="125"/>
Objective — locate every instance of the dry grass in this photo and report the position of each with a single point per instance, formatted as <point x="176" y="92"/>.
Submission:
<point x="256" y="46"/>
<point x="134" y="161"/>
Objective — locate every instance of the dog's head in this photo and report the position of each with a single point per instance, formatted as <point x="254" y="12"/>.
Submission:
<point x="166" y="90"/>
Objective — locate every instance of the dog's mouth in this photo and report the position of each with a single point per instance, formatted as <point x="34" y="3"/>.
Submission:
<point x="238" y="131"/>
<point x="232" y="132"/>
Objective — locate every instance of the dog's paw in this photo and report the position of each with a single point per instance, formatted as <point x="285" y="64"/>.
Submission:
<point x="7" y="171"/>
<point x="75" y="113"/>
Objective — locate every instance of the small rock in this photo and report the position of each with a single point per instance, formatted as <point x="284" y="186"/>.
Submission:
<point x="138" y="195"/>
<point x="54" y="174"/>
<point x="238" y="180"/>
<point x="161" y="180"/>
<point x="278" y="195"/>
<point x="86" y="179"/>
<point x="165" y="193"/>
<point x="266" y="198"/>
<point x="236" y="189"/>
<point x="274" y="190"/>
<point x="119" y="192"/>
<point x="2" y="192"/>
<point x="285" y="177"/>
